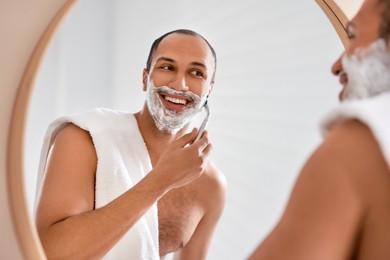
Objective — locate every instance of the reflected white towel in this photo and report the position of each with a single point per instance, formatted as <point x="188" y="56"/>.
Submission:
<point x="374" y="112"/>
<point x="123" y="160"/>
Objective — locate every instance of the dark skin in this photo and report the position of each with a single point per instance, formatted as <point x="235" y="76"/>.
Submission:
<point x="340" y="205"/>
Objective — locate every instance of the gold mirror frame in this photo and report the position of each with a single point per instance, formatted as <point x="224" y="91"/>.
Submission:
<point x="20" y="92"/>
<point x="337" y="17"/>
<point x="339" y="12"/>
<point x="23" y="225"/>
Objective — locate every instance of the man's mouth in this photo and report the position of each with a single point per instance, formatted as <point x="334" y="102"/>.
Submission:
<point x="174" y="102"/>
<point x="343" y="79"/>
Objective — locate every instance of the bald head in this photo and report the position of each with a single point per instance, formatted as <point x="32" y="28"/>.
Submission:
<point x="157" y="42"/>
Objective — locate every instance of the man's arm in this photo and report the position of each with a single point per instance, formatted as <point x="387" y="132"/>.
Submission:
<point x="329" y="200"/>
<point x="214" y="197"/>
<point x="68" y="224"/>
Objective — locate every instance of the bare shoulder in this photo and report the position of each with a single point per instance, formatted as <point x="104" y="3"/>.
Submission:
<point x="346" y="135"/>
<point x="356" y="149"/>
<point x="214" y="175"/>
<point x="215" y="179"/>
<point x="73" y="152"/>
<point x="213" y="187"/>
<point x="331" y="199"/>
<point x="350" y="160"/>
<point x="75" y="143"/>
<point x="72" y="134"/>
<point x="69" y="178"/>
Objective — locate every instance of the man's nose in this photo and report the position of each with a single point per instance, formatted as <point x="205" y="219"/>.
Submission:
<point x="337" y="66"/>
<point x="179" y="82"/>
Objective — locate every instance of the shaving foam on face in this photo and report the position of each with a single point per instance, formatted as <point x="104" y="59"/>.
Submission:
<point x="368" y="71"/>
<point x="171" y="121"/>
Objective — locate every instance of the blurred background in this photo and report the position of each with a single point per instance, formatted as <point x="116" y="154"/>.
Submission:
<point x="273" y="86"/>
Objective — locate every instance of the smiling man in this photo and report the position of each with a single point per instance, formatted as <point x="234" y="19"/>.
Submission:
<point x="116" y="185"/>
<point x="178" y="80"/>
<point x="340" y="205"/>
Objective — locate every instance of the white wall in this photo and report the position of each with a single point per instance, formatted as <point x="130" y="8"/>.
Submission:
<point x="75" y="76"/>
<point x="273" y="85"/>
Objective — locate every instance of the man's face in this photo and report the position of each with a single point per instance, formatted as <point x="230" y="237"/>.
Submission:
<point x="179" y="80"/>
<point x="366" y="59"/>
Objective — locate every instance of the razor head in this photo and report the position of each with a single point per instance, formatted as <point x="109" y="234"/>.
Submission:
<point x="206" y="107"/>
<point x="204" y="123"/>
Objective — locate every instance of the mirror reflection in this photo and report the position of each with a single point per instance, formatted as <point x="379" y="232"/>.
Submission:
<point x="272" y="86"/>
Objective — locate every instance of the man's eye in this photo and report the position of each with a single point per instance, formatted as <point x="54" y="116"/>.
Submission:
<point x="197" y="73"/>
<point x="350" y="31"/>
<point x="167" y="67"/>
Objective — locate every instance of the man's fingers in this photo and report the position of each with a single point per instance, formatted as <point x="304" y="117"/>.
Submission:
<point x="189" y="138"/>
<point x="203" y="141"/>
<point x="186" y="139"/>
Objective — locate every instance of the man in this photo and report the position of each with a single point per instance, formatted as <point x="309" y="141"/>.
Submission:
<point x="106" y="170"/>
<point x="340" y="205"/>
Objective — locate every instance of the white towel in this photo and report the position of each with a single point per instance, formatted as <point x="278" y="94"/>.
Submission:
<point x="374" y="112"/>
<point x="123" y="160"/>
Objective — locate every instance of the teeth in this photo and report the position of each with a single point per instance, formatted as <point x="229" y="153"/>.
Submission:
<point x="176" y="100"/>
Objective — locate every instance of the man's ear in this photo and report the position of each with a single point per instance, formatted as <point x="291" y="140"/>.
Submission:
<point x="145" y="79"/>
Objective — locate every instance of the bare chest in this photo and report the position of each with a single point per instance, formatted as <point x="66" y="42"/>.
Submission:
<point x="179" y="213"/>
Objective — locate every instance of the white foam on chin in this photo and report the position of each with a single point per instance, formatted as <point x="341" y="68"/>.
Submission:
<point x="368" y="71"/>
<point x="166" y="120"/>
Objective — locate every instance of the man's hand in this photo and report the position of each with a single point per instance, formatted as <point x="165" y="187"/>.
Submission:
<point x="183" y="161"/>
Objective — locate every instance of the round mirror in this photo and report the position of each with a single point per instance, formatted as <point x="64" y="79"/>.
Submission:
<point x="273" y="85"/>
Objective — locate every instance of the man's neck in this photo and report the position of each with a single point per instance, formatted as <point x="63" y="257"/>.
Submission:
<point x="155" y="140"/>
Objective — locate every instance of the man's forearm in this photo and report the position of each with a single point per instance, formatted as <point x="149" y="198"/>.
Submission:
<point x="90" y="235"/>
